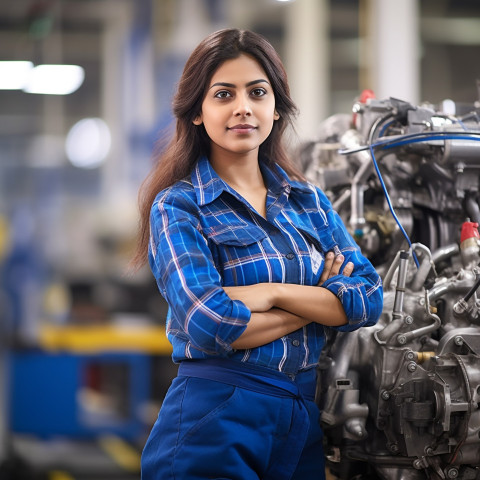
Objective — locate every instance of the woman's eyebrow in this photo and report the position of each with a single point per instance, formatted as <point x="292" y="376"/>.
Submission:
<point x="231" y="85"/>
<point x="253" y="82"/>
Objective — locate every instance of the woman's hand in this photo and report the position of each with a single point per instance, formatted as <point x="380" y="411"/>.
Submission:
<point x="332" y="266"/>
<point x="257" y="298"/>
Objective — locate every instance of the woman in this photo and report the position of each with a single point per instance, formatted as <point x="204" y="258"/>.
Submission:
<point x="255" y="266"/>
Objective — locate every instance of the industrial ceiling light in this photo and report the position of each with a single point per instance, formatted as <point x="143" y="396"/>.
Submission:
<point x="54" y="79"/>
<point x="88" y="143"/>
<point x="14" y="74"/>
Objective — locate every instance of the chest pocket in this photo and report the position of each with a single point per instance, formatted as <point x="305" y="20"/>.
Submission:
<point x="236" y="236"/>
<point x="232" y="250"/>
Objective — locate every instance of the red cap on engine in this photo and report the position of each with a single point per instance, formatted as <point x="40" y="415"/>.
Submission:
<point x="469" y="230"/>
<point x="366" y="94"/>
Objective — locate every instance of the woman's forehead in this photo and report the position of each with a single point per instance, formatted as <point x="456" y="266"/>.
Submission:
<point x="238" y="71"/>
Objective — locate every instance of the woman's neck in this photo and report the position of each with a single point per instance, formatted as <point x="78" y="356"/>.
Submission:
<point x="241" y="172"/>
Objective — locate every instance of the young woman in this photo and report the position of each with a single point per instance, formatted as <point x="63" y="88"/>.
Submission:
<point x="255" y="266"/>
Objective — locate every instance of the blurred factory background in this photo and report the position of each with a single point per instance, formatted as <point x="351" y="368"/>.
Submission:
<point x="84" y="363"/>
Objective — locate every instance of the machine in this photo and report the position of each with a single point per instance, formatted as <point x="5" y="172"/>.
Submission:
<point x="401" y="400"/>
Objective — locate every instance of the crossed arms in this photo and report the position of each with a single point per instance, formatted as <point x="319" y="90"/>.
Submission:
<point x="279" y="309"/>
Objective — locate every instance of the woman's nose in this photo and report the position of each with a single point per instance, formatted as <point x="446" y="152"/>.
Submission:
<point x="242" y="106"/>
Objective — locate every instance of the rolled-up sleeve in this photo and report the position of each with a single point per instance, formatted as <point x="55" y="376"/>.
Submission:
<point x="201" y="313"/>
<point x="361" y="294"/>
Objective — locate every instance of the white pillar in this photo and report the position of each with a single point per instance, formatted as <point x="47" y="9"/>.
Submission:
<point x="307" y="62"/>
<point x="116" y="77"/>
<point x="393" y="46"/>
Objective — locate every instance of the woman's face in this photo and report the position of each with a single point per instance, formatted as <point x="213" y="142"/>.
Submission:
<point x="238" y="110"/>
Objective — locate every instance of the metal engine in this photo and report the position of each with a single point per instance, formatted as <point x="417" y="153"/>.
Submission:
<point x="401" y="400"/>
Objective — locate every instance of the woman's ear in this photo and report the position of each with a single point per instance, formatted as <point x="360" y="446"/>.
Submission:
<point x="276" y="115"/>
<point x="198" y="120"/>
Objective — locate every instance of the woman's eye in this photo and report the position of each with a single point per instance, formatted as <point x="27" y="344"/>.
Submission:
<point x="222" y="94"/>
<point x="258" y="92"/>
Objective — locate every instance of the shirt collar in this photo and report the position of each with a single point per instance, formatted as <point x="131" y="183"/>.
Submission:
<point x="209" y="186"/>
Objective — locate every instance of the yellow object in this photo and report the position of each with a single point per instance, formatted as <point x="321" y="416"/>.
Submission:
<point x="424" y="356"/>
<point x="4" y="236"/>
<point x="105" y="338"/>
<point x="59" y="475"/>
<point x="123" y="454"/>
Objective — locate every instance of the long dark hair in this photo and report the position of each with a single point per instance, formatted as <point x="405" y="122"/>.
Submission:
<point x="190" y="141"/>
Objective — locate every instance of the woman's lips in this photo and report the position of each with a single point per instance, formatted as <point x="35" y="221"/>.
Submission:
<point x="242" y="128"/>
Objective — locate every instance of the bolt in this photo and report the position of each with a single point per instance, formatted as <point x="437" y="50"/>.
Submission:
<point x="385" y="395"/>
<point x="429" y="451"/>
<point x="409" y="355"/>
<point x="412" y="366"/>
<point x="421" y="301"/>
<point x="402" y="339"/>
<point x="452" y="472"/>
<point x="458" y="340"/>
<point x="393" y="447"/>
<point x="418" y="464"/>
<point x="408" y="320"/>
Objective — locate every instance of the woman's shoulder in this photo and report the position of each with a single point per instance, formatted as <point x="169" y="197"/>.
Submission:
<point x="181" y="189"/>
<point x="180" y="195"/>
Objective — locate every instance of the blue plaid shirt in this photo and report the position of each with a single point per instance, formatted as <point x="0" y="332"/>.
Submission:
<point x="205" y="236"/>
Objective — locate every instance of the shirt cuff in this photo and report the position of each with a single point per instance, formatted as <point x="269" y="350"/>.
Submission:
<point x="232" y="326"/>
<point x="353" y="297"/>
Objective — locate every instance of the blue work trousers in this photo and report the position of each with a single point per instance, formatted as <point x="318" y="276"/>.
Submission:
<point x="235" y="429"/>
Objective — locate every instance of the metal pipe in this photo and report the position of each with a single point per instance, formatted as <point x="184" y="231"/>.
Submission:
<point x="401" y="282"/>
<point x="384" y="336"/>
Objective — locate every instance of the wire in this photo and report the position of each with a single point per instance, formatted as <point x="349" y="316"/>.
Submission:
<point x="472" y="290"/>
<point x="384" y="128"/>
<point x="399" y="140"/>
<point x="376" y="125"/>
<point x="390" y="206"/>
<point x="426" y="138"/>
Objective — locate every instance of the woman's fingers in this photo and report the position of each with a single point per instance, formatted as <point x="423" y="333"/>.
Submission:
<point x="337" y="264"/>
<point x="329" y="259"/>
<point x="333" y="265"/>
<point x="348" y="269"/>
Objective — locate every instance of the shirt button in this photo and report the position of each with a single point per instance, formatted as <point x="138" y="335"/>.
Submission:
<point x="295" y="343"/>
<point x="290" y="256"/>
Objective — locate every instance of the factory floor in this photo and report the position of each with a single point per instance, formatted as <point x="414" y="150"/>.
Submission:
<point x="63" y="459"/>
